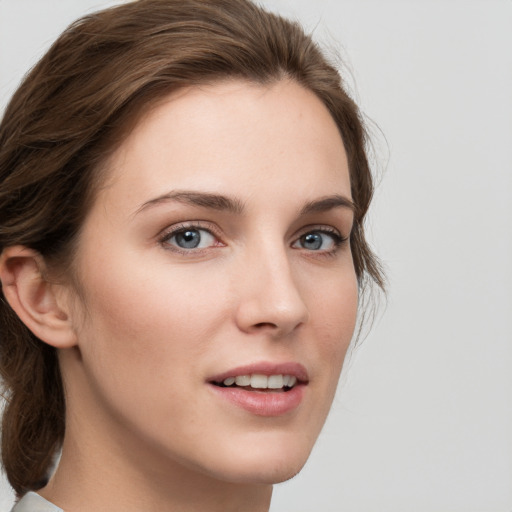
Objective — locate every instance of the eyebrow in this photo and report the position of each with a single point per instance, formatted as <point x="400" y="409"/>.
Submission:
<point x="328" y="203"/>
<point x="236" y="206"/>
<point x="201" y="199"/>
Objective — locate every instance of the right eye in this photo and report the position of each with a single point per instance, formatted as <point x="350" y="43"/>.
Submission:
<point x="190" y="238"/>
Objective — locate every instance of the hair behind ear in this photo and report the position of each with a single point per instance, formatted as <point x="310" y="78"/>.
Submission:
<point x="33" y="419"/>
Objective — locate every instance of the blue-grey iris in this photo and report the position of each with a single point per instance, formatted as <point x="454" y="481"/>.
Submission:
<point x="312" y="241"/>
<point x="189" y="239"/>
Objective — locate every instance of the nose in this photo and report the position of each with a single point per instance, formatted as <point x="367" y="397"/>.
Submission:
<point x="270" y="301"/>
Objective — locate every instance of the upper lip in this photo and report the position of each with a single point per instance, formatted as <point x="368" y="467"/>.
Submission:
<point x="265" y="368"/>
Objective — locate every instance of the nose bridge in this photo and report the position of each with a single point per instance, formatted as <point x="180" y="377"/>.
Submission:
<point x="270" y="297"/>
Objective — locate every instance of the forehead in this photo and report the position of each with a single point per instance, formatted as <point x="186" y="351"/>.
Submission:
<point x="232" y="137"/>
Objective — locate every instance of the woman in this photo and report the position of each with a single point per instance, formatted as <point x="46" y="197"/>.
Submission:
<point x="184" y="185"/>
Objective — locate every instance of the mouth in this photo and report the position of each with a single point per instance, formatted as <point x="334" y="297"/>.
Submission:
<point x="263" y="389"/>
<point x="259" y="382"/>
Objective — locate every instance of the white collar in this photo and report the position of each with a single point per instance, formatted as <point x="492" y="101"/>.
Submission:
<point x="32" y="502"/>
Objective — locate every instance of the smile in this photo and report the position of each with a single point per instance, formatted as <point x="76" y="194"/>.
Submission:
<point x="259" y="381"/>
<point x="262" y="389"/>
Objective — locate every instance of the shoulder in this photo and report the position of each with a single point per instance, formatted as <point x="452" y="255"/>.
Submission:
<point x="32" y="502"/>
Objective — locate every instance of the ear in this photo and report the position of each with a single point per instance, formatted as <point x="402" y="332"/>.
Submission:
<point x="42" y="306"/>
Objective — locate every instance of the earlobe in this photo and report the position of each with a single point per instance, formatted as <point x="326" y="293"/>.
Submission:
<point x="34" y="298"/>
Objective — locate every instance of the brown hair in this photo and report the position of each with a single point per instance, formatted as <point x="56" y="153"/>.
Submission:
<point x="68" y="115"/>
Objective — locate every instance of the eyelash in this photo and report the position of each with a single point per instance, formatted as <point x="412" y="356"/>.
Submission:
<point x="173" y="231"/>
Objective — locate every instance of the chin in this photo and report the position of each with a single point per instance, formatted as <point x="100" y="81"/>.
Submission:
<point x="266" y="462"/>
<point x="282" y="474"/>
<point x="269" y="474"/>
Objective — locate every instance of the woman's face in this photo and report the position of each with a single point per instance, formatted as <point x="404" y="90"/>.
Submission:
<point x="217" y="251"/>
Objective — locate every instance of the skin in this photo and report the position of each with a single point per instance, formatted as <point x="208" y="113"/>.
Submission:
<point x="151" y="322"/>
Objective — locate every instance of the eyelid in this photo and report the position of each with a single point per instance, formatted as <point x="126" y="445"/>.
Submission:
<point x="321" y="228"/>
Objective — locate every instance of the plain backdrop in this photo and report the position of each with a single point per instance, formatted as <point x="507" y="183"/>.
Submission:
<point x="423" y="418"/>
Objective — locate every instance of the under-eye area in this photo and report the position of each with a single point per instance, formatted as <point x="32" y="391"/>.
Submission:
<point x="258" y="382"/>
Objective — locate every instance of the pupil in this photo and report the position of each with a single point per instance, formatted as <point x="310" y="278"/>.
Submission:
<point x="312" y="241"/>
<point x="188" y="239"/>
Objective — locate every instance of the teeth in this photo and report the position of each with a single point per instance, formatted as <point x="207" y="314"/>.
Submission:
<point x="258" y="381"/>
<point x="275" y="382"/>
<point x="243" y="380"/>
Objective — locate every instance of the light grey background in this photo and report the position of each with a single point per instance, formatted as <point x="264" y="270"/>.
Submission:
<point x="423" y="418"/>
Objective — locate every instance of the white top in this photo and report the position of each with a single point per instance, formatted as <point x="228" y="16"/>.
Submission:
<point x="32" y="502"/>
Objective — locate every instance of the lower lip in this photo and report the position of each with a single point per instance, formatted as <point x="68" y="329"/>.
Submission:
<point x="263" y="403"/>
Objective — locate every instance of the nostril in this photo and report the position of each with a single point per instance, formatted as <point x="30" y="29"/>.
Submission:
<point x="265" y="324"/>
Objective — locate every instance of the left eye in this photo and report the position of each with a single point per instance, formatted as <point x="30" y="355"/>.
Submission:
<point x="191" y="238"/>
<point x="318" y="241"/>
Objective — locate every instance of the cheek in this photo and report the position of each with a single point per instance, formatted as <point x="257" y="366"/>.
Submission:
<point x="335" y="320"/>
<point x="152" y="313"/>
<point x="333" y="300"/>
<point x="145" y="329"/>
